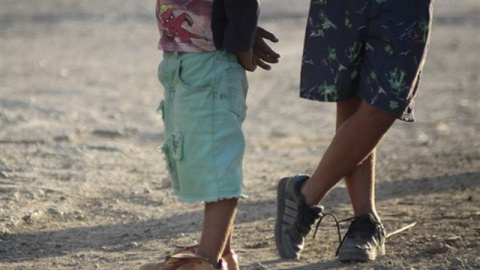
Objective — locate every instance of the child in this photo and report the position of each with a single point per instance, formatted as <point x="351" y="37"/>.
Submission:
<point x="366" y="55"/>
<point x="207" y="47"/>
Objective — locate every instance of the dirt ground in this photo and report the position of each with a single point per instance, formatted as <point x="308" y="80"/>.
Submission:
<point x="82" y="185"/>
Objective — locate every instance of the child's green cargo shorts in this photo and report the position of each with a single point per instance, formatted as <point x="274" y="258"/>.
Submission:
<point x="203" y="109"/>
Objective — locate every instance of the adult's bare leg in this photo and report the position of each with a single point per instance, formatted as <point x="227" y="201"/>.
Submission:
<point x="351" y="154"/>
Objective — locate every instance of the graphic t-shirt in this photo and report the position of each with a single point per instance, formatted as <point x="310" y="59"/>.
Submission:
<point x="185" y="25"/>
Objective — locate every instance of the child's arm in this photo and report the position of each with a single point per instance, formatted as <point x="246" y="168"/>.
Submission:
<point x="234" y="24"/>
<point x="241" y="17"/>
<point x="262" y="52"/>
<point x="247" y="60"/>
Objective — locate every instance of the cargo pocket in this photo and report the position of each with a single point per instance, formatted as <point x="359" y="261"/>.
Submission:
<point x="166" y="154"/>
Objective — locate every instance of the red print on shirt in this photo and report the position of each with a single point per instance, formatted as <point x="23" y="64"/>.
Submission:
<point x="174" y="24"/>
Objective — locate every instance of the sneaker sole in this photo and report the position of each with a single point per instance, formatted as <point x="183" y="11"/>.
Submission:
<point x="279" y="221"/>
<point x="355" y="255"/>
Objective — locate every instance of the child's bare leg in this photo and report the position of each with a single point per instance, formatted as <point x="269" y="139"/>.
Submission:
<point x="217" y="229"/>
<point x="228" y="249"/>
<point x="350" y="154"/>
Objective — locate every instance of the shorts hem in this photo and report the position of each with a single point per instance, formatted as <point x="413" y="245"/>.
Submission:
<point x="323" y="100"/>
<point x="406" y="117"/>
<point x="208" y="199"/>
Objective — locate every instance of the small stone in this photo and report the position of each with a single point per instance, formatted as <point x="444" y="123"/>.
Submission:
<point x="61" y="138"/>
<point x="438" y="248"/>
<point x="457" y="263"/>
<point x="78" y="215"/>
<point x="32" y="217"/>
<point x="4" y="231"/>
<point x="258" y="266"/>
<point x="54" y="213"/>
<point x="107" y="133"/>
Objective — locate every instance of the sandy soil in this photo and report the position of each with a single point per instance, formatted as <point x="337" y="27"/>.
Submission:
<point x="82" y="185"/>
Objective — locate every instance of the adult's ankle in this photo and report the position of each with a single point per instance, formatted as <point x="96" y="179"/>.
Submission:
<point x="308" y="194"/>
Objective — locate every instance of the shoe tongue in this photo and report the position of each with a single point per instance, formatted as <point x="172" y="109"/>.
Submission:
<point x="367" y="218"/>
<point x="365" y="223"/>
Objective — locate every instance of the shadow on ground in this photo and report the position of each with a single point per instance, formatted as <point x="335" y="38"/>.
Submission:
<point x="123" y="237"/>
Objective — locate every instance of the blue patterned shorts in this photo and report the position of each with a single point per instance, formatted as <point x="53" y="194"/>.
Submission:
<point x="374" y="49"/>
<point x="203" y="109"/>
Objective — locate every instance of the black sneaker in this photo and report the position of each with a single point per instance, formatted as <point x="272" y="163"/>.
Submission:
<point x="364" y="240"/>
<point x="294" y="217"/>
